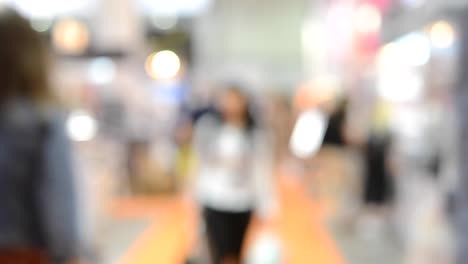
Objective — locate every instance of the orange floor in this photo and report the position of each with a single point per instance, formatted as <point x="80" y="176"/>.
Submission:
<point x="169" y="238"/>
<point x="299" y="226"/>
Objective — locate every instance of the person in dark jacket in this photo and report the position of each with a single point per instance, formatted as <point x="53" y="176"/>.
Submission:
<point x="38" y="219"/>
<point x="334" y="135"/>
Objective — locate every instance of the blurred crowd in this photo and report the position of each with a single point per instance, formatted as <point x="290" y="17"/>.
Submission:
<point x="380" y="156"/>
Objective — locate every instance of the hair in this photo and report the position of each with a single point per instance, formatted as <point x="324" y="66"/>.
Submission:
<point x="250" y="120"/>
<point x="23" y="60"/>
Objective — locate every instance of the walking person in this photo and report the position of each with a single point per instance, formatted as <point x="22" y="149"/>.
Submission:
<point x="233" y="173"/>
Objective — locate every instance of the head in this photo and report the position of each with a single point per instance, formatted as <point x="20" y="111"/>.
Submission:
<point x="23" y="67"/>
<point x="233" y="105"/>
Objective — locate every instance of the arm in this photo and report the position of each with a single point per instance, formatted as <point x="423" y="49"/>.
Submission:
<point x="205" y="132"/>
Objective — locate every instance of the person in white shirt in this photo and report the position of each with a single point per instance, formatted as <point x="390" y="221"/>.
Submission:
<point x="232" y="174"/>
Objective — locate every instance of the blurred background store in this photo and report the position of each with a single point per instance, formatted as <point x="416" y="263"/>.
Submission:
<point x="363" y="100"/>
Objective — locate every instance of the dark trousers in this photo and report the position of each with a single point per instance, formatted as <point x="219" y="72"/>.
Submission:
<point x="226" y="232"/>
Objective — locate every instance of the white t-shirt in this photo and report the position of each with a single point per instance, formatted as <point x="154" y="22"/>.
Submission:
<point x="234" y="170"/>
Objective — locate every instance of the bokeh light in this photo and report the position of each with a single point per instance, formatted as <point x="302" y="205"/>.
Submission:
<point x="164" y="22"/>
<point x="319" y="90"/>
<point x="163" y="65"/>
<point x="101" y="71"/>
<point x="42" y="25"/>
<point x="442" y="35"/>
<point x="387" y="56"/>
<point x="400" y="85"/>
<point x="81" y="126"/>
<point x="181" y="7"/>
<point x="414" y="49"/>
<point x="367" y="19"/>
<point x="398" y="81"/>
<point x="70" y="36"/>
<point x="414" y="3"/>
<point x="308" y="133"/>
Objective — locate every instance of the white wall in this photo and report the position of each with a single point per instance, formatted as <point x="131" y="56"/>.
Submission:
<point x="256" y="41"/>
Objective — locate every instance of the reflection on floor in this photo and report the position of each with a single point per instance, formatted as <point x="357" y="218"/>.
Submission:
<point x="169" y="235"/>
<point x="122" y="233"/>
<point x="362" y="249"/>
<point x="300" y="229"/>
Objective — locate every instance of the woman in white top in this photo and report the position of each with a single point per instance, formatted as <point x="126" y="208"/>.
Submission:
<point x="233" y="172"/>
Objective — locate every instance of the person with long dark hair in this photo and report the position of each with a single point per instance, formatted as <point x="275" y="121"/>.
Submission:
<point x="233" y="171"/>
<point x="38" y="220"/>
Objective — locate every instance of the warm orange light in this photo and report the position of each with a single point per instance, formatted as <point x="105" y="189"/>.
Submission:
<point x="312" y="94"/>
<point x="442" y="34"/>
<point x="70" y="36"/>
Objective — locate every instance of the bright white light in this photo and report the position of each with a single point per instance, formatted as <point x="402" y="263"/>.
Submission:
<point x="101" y="71"/>
<point x="442" y="35"/>
<point x="35" y="9"/>
<point x="81" y="126"/>
<point x="400" y="85"/>
<point x="308" y="133"/>
<point x="265" y="249"/>
<point x="70" y="36"/>
<point x="387" y="57"/>
<point x="164" y="22"/>
<point x="368" y="19"/>
<point x="414" y="3"/>
<point x="414" y="49"/>
<point x="41" y="25"/>
<point x="46" y="9"/>
<point x="397" y="80"/>
<point x="339" y="30"/>
<point x="163" y="65"/>
<point x="179" y="7"/>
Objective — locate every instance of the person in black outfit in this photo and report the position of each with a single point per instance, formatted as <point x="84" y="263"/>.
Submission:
<point x="377" y="184"/>
<point x="334" y="133"/>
